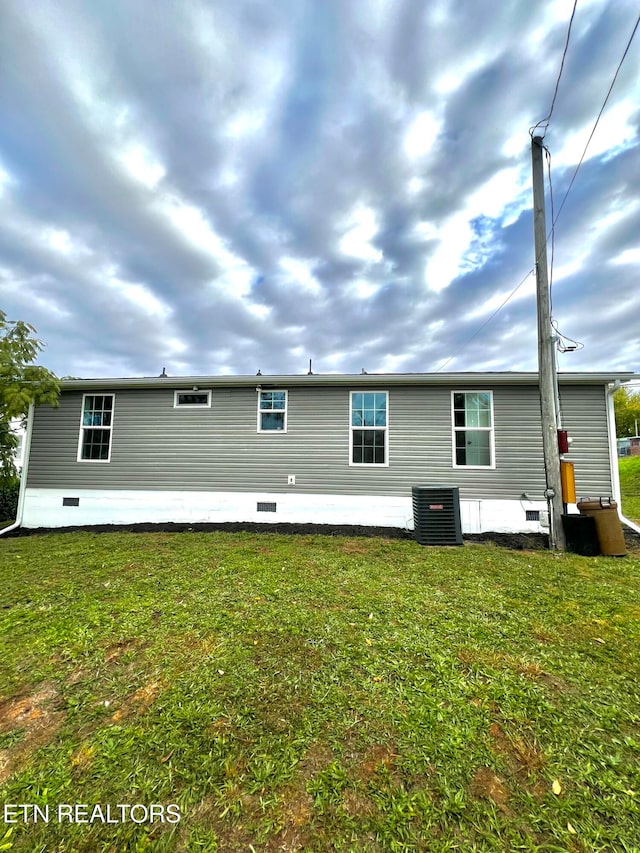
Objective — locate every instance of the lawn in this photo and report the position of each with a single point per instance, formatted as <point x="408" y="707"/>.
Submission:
<point x="314" y="693"/>
<point x="630" y="486"/>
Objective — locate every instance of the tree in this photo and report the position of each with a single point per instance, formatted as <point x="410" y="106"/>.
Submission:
<point x="626" y="405"/>
<point x="21" y="383"/>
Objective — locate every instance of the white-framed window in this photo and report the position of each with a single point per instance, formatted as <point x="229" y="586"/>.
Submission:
<point x="368" y="430"/>
<point x="192" y="400"/>
<point x="473" y="439"/>
<point x="96" y="428"/>
<point x="272" y="411"/>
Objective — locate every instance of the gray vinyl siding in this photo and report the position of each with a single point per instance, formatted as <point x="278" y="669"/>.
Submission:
<point x="156" y="446"/>
<point x="584" y="416"/>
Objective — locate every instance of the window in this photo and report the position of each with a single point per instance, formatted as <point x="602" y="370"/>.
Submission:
<point x="272" y="411"/>
<point x="95" y="428"/>
<point x="473" y="429"/>
<point x="192" y="400"/>
<point x="369" y="428"/>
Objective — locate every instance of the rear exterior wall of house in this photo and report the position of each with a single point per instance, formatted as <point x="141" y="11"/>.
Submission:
<point x="160" y="454"/>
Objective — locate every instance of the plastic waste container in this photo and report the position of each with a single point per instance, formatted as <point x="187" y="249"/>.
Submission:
<point x="604" y="511"/>
<point x="580" y="533"/>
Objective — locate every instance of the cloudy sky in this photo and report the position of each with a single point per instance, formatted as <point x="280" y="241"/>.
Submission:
<point x="222" y="187"/>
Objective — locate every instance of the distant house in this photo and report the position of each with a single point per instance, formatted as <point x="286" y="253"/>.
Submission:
<point x="629" y="446"/>
<point x="332" y="449"/>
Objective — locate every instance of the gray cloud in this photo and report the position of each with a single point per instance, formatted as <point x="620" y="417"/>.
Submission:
<point x="231" y="187"/>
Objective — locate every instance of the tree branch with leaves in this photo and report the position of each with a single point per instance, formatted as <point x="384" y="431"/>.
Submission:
<point x="21" y="383"/>
<point x="626" y="404"/>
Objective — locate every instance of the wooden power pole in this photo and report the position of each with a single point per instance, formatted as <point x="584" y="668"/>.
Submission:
<point x="546" y="358"/>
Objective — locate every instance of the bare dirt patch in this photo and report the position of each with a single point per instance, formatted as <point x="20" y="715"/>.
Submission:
<point x="315" y="759"/>
<point x="354" y="548"/>
<point x="117" y="650"/>
<point x="523" y="760"/>
<point x="38" y="721"/>
<point x="234" y="835"/>
<point x="358" y="805"/>
<point x="139" y="701"/>
<point x="296" y="813"/>
<point x="376" y="759"/>
<point x="487" y="785"/>
<point x="525" y="757"/>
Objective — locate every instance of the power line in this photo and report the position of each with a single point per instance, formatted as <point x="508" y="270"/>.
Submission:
<point x="551" y="235"/>
<point x="593" y="130"/>
<point x="554" y="217"/>
<point x="486" y="322"/>
<point x="545" y="121"/>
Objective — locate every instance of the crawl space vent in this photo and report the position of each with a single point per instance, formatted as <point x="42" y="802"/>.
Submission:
<point x="70" y="501"/>
<point x="266" y="507"/>
<point x="532" y="514"/>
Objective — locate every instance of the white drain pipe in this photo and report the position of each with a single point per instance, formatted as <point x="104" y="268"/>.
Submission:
<point x="613" y="455"/>
<point x="23" y="475"/>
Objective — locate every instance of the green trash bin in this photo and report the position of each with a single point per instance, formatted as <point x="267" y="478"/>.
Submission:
<point x="608" y="527"/>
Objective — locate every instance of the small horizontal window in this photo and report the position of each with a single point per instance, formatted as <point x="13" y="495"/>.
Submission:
<point x="192" y="399"/>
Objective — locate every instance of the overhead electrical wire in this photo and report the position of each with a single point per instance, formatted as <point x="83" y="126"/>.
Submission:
<point x="545" y="121"/>
<point x="563" y="342"/>
<point x="562" y="347"/>
<point x="593" y="130"/>
<point x="486" y="322"/>
<point x="554" y="218"/>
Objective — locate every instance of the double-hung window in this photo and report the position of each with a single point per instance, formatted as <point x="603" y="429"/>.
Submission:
<point x="96" y="428"/>
<point x="369" y="433"/>
<point x="272" y="411"/>
<point x="473" y="444"/>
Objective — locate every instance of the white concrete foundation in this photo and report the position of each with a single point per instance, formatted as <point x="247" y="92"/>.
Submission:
<point x="44" y="508"/>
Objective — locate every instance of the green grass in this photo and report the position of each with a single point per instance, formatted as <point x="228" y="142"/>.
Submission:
<point x="316" y="693"/>
<point x="630" y="486"/>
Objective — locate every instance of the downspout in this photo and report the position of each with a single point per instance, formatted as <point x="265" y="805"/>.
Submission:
<point x="613" y="454"/>
<point x="23" y="474"/>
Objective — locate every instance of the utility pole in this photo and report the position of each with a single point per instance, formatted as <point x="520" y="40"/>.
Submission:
<point x="547" y="376"/>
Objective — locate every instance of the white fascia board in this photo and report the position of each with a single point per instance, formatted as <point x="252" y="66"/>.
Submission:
<point x="342" y="379"/>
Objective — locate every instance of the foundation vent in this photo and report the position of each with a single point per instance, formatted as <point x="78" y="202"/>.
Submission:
<point x="266" y="507"/>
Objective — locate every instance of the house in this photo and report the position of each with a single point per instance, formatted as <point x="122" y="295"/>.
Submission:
<point x="629" y="446"/>
<point x="325" y="449"/>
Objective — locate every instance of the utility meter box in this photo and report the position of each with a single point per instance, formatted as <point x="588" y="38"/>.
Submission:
<point x="568" y="480"/>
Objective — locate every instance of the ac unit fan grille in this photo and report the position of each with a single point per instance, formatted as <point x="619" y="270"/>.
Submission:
<point x="436" y="515"/>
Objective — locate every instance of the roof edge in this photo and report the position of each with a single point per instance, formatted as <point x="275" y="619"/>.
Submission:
<point x="292" y="380"/>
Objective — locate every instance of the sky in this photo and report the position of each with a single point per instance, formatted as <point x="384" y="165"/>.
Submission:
<point x="242" y="185"/>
